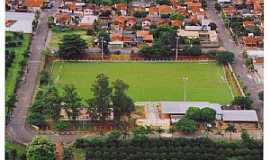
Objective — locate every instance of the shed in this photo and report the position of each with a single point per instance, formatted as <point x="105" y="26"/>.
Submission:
<point x="240" y="116"/>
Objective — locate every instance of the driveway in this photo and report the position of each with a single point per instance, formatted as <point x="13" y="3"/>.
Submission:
<point x="227" y="42"/>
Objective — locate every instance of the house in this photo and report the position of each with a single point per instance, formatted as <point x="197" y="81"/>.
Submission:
<point x="119" y="40"/>
<point x="164" y="10"/>
<point x="62" y="19"/>
<point x="144" y="36"/>
<point x="248" y="24"/>
<point x="90" y="9"/>
<point x="118" y="23"/>
<point x="19" y="22"/>
<point x="33" y="5"/>
<point x="146" y="23"/>
<point x="176" y="23"/>
<point x="153" y="11"/>
<point x="229" y="11"/>
<point x="224" y="1"/>
<point x="131" y="21"/>
<point x="121" y="8"/>
<point x="252" y="41"/>
<point x="256" y="55"/>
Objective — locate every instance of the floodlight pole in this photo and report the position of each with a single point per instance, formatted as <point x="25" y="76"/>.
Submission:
<point x="184" y="79"/>
<point x="176" y="49"/>
<point x="102" y="52"/>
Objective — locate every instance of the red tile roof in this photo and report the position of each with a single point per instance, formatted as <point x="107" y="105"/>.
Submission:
<point x="165" y="9"/>
<point x="33" y="3"/>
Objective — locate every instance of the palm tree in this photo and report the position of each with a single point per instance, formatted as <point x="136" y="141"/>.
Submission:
<point x="231" y="129"/>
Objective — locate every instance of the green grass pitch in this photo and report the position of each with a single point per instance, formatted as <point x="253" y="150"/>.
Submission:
<point x="150" y="81"/>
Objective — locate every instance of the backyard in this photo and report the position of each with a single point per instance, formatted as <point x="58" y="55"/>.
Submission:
<point x="57" y="35"/>
<point x="150" y="81"/>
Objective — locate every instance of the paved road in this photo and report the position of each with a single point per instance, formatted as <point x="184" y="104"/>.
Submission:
<point x="16" y="129"/>
<point x="227" y="42"/>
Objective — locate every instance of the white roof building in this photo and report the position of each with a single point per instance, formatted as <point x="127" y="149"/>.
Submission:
<point x="22" y="22"/>
<point x="255" y="54"/>
<point x="240" y="116"/>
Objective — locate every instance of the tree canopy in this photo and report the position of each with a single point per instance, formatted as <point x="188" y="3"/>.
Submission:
<point x="40" y="149"/>
<point x="72" y="47"/>
<point x="186" y="125"/>
<point x="243" y="102"/>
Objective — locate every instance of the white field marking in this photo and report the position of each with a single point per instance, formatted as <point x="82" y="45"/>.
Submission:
<point x="227" y="83"/>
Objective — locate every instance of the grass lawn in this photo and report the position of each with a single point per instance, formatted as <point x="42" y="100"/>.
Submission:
<point x="150" y="81"/>
<point x="57" y="36"/>
<point x="13" y="71"/>
<point x="19" y="148"/>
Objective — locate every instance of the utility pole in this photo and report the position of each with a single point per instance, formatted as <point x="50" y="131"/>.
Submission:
<point x="176" y="49"/>
<point x="102" y="52"/>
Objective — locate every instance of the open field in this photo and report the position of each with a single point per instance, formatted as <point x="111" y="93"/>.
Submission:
<point x="150" y="81"/>
<point x="57" y="36"/>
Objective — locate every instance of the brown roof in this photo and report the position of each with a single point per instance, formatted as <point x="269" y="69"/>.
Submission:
<point x="119" y="20"/>
<point x="116" y="37"/>
<point x="165" y="9"/>
<point x="176" y="23"/>
<point x="142" y="33"/>
<point x="252" y="41"/>
<point x="33" y="3"/>
<point x="153" y="10"/>
<point x="248" y="24"/>
<point x="131" y="20"/>
<point x="121" y="6"/>
<point x="193" y="4"/>
<point x="229" y="11"/>
<point x="62" y="17"/>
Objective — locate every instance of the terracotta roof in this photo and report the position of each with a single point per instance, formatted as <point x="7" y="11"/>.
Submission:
<point x="252" y="41"/>
<point x="229" y="11"/>
<point x="148" y="38"/>
<point x="71" y="6"/>
<point x="33" y="3"/>
<point x="153" y="10"/>
<point x="62" y="17"/>
<point x="121" y="6"/>
<point x="248" y="24"/>
<point x="142" y="33"/>
<point x="119" y="20"/>
<point x="176" y="23"/>
<point x="192" y="4"/>
<point x="165" y="9"/>
<point x="131" y="20"/>
<point x="116" y="37"/>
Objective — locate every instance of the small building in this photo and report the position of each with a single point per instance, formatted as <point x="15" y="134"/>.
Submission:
<point x="256" y="55"/>
<point x="241" y="118"/>
<point x="177" y="110"/>
<point x="19" y="22"/>
<point x="33" y="5"/>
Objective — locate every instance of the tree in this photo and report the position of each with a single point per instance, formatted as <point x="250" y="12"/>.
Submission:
<point x="35" y="118"/>
<point x="72" y="101"/>
<point x="140" y="132"/>
<point x="243" y="102"/>
<point x="213" y="26"/>
<point x="40" y="149"/>
<point x="231" y="129"/>
<point x="222" y="57"/>
<point x="113" y="136"/>
<point x="208" y="115"/>
<point x="245" y="136"/>
<point x="52" y="100"/>
<point x="193" y="113"/>
<point x="186" y="125"/>
<point x="140" y="14"/>
<point x="260" y="95"/>
<point x="103" y="39"/>
<point x="121" y="103"/>
<point x="44" y="78"/>
<point x="72" y="47"/>
<point x="99" y="105"/>
<point x="176" y="16"/>
<point x="68" y="155"/>
<point x="60" y="125"/>
<point x="193" y="50"/>
<point x="163" y="2"/>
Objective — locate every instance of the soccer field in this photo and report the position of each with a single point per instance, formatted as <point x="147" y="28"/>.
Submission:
<point x="150" y="81"/>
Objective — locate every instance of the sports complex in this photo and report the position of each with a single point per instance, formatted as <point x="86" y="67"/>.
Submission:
<point x="150" y="81"/>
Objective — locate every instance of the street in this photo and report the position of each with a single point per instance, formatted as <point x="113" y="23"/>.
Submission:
<point x="227" y="42"/>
